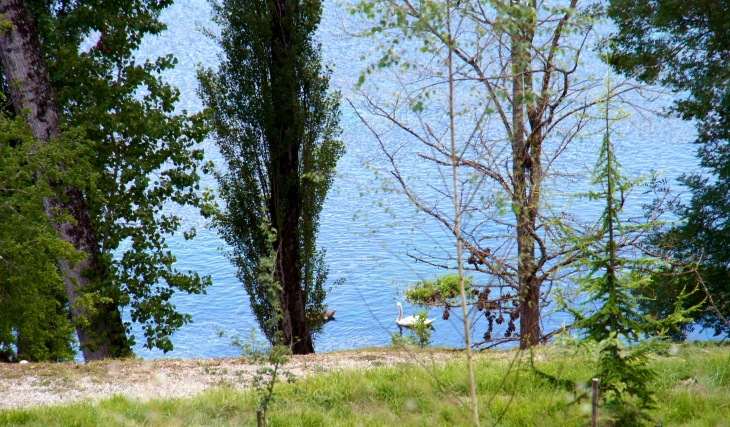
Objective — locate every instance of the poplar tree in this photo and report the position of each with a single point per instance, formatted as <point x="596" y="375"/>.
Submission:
<point x="276" y="127"/>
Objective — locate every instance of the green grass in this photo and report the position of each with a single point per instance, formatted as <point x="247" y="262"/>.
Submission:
<point x="693" y="389"/>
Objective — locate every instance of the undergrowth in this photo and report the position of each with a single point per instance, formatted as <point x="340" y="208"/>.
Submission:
<point x="692" y="389"/>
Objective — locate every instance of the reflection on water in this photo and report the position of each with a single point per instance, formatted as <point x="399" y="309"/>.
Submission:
<point x="365" y="245"/>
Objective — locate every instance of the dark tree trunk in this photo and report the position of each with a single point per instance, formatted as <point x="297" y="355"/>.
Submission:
<point x="529" y="290"/>
<point x="32" y="97"/>
<point x="285" y="141"/>
<point x="526" y="172"/>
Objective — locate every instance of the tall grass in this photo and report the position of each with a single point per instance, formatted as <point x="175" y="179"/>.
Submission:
<point x="693" y="389"/>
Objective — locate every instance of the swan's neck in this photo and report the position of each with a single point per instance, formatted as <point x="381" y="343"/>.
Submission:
<point x="400" y="312"/>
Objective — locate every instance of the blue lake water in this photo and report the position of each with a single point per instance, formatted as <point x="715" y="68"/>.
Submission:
<point x="366" y="243"/>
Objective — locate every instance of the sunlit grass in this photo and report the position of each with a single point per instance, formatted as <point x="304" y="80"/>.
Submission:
<point x="693" y="389"/>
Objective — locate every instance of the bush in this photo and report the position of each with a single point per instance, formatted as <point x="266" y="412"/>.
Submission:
<point x="440" y="290"/>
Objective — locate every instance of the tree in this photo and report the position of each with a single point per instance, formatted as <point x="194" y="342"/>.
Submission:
<point x="685" y="46"/>
<point x="614" y="269"/>
<point x="144" y="152"/>
<point x="33" y="99"/>
<point x="34" y="313"/>
<point x="276" y="127"/>
<point x="522" y="98"/>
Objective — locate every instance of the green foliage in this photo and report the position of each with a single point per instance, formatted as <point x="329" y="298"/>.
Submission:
<point x="418" y="335"/>
<point x="5" y="25"/>
<point x="144" y="152"/>
<point x="245" y="98"/>
<point x="609" y="285"/>
<point x="271" y="359"/>
<point x="692" y="389"/>
<point x="34" y="312"/>
<point x="684" y="46"/>
<point x="443" y="289"/>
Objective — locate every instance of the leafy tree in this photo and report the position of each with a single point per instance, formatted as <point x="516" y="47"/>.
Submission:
<point x="685" y="46"/>
<point x="272" y="355"/>
<point x="614" y="273"/>
<point x="144" y="152"/>
<point x="33" y="100"/>
<point x="608" y="285"/>
<point x="34" y="313"/>
<point x="276" y="127"/>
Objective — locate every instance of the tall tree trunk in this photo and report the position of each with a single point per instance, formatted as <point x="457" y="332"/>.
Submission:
<point x="32" y="96"/>
<point x="526" y="172"/>
<point x="286" y="200"/>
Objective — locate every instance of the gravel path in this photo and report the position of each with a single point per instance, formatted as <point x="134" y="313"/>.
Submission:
<point x="33" y="384"/>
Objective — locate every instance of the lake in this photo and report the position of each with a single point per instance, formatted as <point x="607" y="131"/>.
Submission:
<point x="366" y="243"/>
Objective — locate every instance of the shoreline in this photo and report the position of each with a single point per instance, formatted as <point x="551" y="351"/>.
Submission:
<point x="37" y="384"/>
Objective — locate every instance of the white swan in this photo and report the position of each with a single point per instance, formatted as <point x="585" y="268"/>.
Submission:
<point x="410" y="320"/>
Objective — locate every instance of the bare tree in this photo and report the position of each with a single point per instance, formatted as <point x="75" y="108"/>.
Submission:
<point x="33" y="99"/>
<point x="524" y="97"/>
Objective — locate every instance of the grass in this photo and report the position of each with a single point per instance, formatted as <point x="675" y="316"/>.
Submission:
<point x="693" y="389"/>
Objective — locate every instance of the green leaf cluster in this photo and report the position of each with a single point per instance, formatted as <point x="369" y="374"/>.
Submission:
<point x="34" y="313"/>
<point x="443" y="289"/>
<point x="419" y="335"/>
<point x="144" y="151"/>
